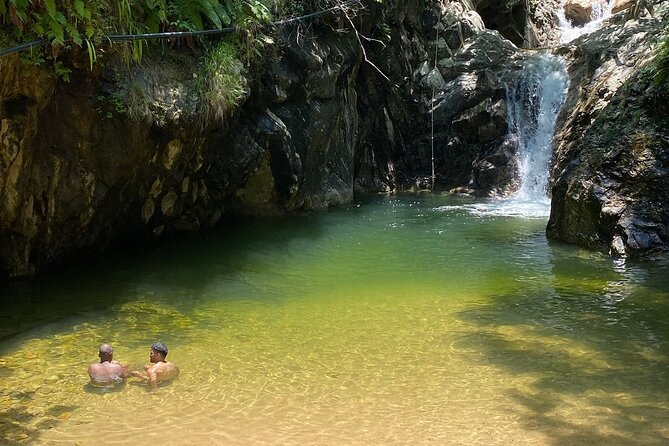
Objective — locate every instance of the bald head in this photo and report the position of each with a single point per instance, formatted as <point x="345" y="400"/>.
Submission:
<point x="105" y="353"/>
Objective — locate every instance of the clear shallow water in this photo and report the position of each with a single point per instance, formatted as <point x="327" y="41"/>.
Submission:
<point x="408" y="320"/>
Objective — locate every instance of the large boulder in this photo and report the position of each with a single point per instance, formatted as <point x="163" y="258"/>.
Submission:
<point x="611" y="188"/>
<point x="526" y="23"/>
<point x="462" y="97"/>
<point x="622" y="5"/>
<point x="579" y="12"/>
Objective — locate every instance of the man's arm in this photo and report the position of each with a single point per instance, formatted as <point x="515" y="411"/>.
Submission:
<point x="153" y="377"/>
<point x="142" y="375"/>
<point x="149" y="374"/>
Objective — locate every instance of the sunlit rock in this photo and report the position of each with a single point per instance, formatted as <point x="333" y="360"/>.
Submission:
<point x="611" y="165"/>
<point x="622" y="5"/>
<point x="579" y="12"/>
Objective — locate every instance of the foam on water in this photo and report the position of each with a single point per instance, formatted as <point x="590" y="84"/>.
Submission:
<point x="569" y="32"/>
<point x="513" y="207"/>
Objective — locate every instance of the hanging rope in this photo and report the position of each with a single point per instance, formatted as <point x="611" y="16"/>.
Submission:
<point x="171" y="35"/>
<point x="436" y="55"/>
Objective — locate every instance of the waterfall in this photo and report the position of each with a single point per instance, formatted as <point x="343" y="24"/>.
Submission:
<point x="534" y="104"/>
<point x="600" y="12"/>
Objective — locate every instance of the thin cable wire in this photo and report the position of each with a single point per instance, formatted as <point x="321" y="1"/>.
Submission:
<point x="436" y="55"/>
<point x="171" y="35"/>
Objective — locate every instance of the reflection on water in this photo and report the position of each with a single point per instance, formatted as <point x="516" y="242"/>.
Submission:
<point x="409" y="320"/>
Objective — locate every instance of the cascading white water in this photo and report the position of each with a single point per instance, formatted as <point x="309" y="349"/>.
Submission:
<point x="600" y="12"/>
<point x="534" y="104"/>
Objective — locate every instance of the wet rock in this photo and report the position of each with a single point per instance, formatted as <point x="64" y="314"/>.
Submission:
<point x="579" y="12"/>
<point x="610" y="176"/>
<point x="528" y="24"/>
<point x="435" y="80"/>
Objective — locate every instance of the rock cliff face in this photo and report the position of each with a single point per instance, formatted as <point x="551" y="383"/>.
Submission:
<point x="610" y="189"/>
<point x="448" y="73"/>
<point x="319" y="123"/>
<point x="77" y="174"/>
<point x="526" y="23"/>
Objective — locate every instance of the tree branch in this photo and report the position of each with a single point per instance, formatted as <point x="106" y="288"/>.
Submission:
<point x="362" y="47"/>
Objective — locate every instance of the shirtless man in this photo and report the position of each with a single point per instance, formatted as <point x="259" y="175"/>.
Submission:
<point x="107" y="372"/>
<point x="159" y="369"/>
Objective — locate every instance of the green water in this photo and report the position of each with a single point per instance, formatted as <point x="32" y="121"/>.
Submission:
<point x="416" y="319"/>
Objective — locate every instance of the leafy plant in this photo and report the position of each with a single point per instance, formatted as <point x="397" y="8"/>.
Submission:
<point x="84" y="22"/>
<point x="193" y="14"/>
<point x="660" y="67"/>
<point x="222" y="85"/>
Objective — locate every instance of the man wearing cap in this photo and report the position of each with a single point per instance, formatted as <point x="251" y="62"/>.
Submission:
<point x="160" y="369"/>
<point x="107" y="372"/>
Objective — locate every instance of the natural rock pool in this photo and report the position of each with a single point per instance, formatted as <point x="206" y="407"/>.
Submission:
<point x="417" y="319"/>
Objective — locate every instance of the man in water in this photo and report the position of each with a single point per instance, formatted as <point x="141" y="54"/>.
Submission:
<point x="159" y="369"/>
<point x="107" y="372"/>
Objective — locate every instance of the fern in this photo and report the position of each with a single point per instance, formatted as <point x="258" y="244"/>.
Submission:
<point x="660" y="67"/>
<point x="193" y="13"/>
<point x="84" y="22"/>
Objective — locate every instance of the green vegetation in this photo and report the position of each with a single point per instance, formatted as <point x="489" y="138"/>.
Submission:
<point x="75" y="30"/>
<point x="660" y="68"/>
<point x="83" y="23"/>
<point x="222" y="83"/>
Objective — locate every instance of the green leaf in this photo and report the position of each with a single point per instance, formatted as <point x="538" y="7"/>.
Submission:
<point x="92" y="54"/>
<point x="80" y="7"/>
<point x="74" y="33"/>
<point x="137" y="50"/>
<point x="152" y="21"/>
<point x="38" y="29"/>
<point x="56" y="31"/>
<point x="51" y="7"/>
<point x="210" y="12"/>
<point x="60" y="18"/>
<point x="21" y="5"/>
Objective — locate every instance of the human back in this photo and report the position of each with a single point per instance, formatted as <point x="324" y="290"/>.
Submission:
<point x="107" y="371"/>
<point x="165" y="371"/>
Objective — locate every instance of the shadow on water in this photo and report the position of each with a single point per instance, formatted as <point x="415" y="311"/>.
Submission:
<point x="131" y="294"/>
<point x="172" y="273"/>
<point x="15" y="421"/>
<point x="604" y="348"/>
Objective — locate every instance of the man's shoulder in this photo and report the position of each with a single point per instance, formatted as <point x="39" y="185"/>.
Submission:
<point x="166" y="370"/>
<point x="166" y="365"/>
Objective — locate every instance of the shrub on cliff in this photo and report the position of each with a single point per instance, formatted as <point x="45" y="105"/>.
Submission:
<point x="661" y="66"/>
<point x="222" y="84"/>
<point x="83" y="23"/>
